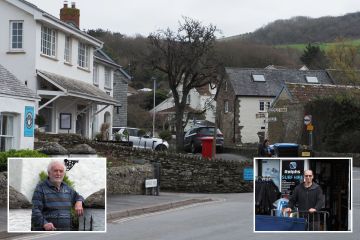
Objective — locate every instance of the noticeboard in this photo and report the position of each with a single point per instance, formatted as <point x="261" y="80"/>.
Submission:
<point x="292" y="174"/>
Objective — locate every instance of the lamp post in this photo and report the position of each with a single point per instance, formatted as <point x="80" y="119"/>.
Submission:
<point x="154" y="110"/>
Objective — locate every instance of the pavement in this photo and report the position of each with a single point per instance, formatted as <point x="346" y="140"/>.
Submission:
<point x="123" y="206"/>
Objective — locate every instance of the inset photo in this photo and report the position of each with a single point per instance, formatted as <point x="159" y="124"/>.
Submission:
<point x="303" y="194"/>
<point x="56" y="194"/>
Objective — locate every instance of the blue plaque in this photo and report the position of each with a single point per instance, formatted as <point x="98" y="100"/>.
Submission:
<point x="29" y="121"/>
<point x="248" y="174"/>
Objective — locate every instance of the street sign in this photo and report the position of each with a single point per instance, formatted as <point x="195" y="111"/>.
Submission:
<point x="149" y="183"/>
<point x="310" y="127"/>
<point x="270" y="119"/>
<point x="277" y="109"/>
<point x="307" y="119"/>
<point x="248" y="174"/>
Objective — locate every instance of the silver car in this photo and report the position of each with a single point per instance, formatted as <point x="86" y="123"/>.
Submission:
<point x="140" y="140"/>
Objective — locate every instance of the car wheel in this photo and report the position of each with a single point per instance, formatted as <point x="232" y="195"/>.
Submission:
<point x="193" y="148"/>
<point x="161" y="148"/>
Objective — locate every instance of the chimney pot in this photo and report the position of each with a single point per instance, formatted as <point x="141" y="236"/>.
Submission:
<point x="72" y="4"/>
<point x="65" y="4"/>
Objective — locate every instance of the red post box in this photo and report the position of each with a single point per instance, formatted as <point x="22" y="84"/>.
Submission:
<point x="206" y="148"/>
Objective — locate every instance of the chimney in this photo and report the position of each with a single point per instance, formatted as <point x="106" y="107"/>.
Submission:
<point x="70" y="15"/>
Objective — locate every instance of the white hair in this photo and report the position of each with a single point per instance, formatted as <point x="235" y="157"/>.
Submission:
<point x="55" y="162"/>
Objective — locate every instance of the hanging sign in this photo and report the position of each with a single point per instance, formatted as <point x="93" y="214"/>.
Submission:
<point x="292" y="174"/>
<point x="29" y="121"/>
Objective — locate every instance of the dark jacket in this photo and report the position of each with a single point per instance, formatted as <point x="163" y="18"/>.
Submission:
<point x="307" y="198"/>
<point x="50" y="205"/>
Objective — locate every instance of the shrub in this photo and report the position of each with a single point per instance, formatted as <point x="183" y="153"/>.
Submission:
<point x="117" y="136"/>
<point x="17" y="153"/>
<point x="43" y="176"/>
<point x="166" y="135"/>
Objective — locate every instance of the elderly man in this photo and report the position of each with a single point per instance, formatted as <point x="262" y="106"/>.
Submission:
<point x="52" y="201"/>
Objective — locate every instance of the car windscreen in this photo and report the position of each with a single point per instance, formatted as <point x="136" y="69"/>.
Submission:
<point x="132" y="132"/>
<point x="207" y="131"/>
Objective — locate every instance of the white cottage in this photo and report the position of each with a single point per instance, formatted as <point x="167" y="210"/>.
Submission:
<point x="200" y="99"/>
<point x="55" y="59"/>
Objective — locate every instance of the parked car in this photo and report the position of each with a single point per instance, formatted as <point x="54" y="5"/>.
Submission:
<point x="142" y="140"/>
<point x="192" y="138"/>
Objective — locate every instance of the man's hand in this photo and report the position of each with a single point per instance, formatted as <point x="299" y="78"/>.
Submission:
<point x="287" y="210"/>
<point x="79" y="208"/>
<point x="49" y="227"/>
<point x="312" y="210"/>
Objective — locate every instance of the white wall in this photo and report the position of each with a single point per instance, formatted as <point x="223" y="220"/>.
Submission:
<point x="17" y="107"/>
<point x="249" y="107"/>
<point x="88" y="175"/>
<point x="22" y="65"/>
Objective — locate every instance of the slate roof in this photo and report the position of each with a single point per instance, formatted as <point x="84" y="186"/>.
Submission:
<point x="74" y="87"/>
<point x="243" y="84"/>
<point x="10" y="85"/>
<point x="101" y="55"/>
<point x="303" y="93"/>
<point x="173" y="110"/>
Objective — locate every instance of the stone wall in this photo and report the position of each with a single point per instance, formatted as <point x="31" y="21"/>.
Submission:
<point x="128" y="179"/>
<point x="226" y="120"/>
<point x="183" y="172"/>
<point x="179" y="172"/>
<point x="120" y="94"/>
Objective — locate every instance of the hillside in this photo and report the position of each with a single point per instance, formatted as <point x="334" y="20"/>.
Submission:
<point x="305" y="30"/>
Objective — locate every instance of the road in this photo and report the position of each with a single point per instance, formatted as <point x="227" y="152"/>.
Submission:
<point x="230" y="217"/>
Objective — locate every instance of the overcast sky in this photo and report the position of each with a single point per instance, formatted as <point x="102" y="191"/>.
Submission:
<point x="232" y="17"/>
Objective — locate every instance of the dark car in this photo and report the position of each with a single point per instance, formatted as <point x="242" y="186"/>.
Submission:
<point x="192" y="138"/>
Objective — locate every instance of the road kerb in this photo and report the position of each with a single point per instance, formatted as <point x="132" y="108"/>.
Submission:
<point x="154" y="208"/>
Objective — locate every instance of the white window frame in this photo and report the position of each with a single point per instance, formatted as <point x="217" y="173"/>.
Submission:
<point x="68" y="49"/>
<point x="311" y="79"/>
<point x="48" y="41"/>
<point x="258" y="77"/>
<point x="96" y="74"/>
<point x="83" y="55"/>
<point x="107" y="78"/>
<point x="16" y="36"/>
<point x="264" y="105"/>
<point x="8" y="137"/>
<point x="226" y="106"/>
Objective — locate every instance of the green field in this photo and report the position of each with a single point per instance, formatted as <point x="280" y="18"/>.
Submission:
<point x="323" y="46"/>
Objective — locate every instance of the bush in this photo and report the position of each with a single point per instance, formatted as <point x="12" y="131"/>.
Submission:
<point x="43" y="176"/>
<point x="166" y="135"/>
<point x="17" y="153"/>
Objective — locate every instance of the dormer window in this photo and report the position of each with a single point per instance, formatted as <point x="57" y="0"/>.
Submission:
<point x="258" y="77"/>
<point x="310" y="79"/>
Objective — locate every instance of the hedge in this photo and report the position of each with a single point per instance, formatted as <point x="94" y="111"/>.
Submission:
<point x="19" y="154"/>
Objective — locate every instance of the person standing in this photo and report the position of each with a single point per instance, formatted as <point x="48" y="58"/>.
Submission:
<point x="53" y="200"/>
<point x="264" y="149"/>
<point x="309" y="198"/>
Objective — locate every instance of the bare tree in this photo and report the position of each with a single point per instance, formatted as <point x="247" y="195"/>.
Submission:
<point x="187" y="58"/>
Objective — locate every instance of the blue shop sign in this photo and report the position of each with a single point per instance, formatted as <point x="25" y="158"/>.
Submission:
<point x="29" y="121"/>
<point x="248" y="174"/>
